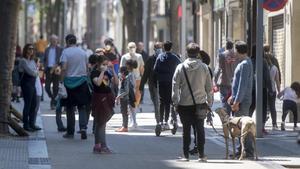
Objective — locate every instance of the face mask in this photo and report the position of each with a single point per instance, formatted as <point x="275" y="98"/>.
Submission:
<point x="103" y="67"/>
<point x="132" y="50"/>
<point x="158" y="51"/>
<point x="84" y="46"/>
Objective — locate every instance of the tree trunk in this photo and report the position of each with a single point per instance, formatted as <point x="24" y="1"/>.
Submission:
<point x="130" y="20"/>
<point x="9" y="10"/>
<point x="174" y="25"/>
<point x="139" y="20"/>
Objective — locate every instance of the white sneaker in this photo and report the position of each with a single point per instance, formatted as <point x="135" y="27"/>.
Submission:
<point x="166" y="126"/>
<point x="133" y="125"/>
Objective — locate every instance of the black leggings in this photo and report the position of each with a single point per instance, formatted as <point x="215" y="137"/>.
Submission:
<point x="165" y="94"/>
<point x="289" y="105"/>
<point x="188" y="118"/>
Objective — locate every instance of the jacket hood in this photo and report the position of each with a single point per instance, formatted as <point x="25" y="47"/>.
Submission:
<point x="163" y="56"/>
<point x="191" y="64"/>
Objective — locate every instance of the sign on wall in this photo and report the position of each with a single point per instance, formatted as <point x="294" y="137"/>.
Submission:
<point x="274" y="5"/>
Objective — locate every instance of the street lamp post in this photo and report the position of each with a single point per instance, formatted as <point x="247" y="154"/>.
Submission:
<point x="259" y="68"/>
<point x="183" y="27"/>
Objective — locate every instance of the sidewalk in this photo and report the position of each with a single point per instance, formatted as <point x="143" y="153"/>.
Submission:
<point x="138" y="148"/>
<point x="24" y="152"/>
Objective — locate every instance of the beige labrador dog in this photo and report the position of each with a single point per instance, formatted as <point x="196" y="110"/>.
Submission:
<point x="237" y="127"/>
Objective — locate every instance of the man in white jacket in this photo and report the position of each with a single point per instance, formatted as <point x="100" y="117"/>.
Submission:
<point x="184" y="99"/>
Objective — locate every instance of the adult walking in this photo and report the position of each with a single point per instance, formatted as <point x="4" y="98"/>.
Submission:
<point x="138" y="72"/>
<point x="51" y="63"/>
<point x="145" y="56"/>
<point x="164" y="69"/>
<point x="28" y="74"/>
<point x="192" y="86"/>
<point x="74" y="67"/>
<point x="149" y="76"/>
<point x="241" y="97"/>
<point x="225" y="70"/>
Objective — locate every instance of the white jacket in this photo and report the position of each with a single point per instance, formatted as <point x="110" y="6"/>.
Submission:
<point x="200" y="80"/>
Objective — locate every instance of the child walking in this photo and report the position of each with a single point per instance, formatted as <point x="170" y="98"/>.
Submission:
<point x="102" y="101"/>
<point x="290" y="96"/>
<point x="126" y="95"/>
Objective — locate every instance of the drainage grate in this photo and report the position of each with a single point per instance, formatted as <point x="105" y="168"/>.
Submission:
<point x="39" y="161"/>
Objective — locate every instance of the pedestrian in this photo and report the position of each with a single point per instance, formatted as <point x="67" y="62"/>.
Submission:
<point x="51" y="66"/>
<point x="138" y="72"/>
<point x="141" y="50"/>
<point x="290" y="96"/>
<point x="28" y="74"/>
<point x="191" y="94"/>
<point x="274" y="77"/>
<point x="266" y="88"/>
<point x="205" y="58"/>
<point x="41" y="46"/>
<point x="16" y="92"/>
<point x="149" y="76"/>
<point x="74" y="67"/>
<point x="227" y="63"/>
<point x="164" y="69"/>
<point x="38" y="88"/>
<point x="240" y="100"/>
<point x="274" y="60"/>
<point x="127" y="97"/>
<point x="103" y="101"/>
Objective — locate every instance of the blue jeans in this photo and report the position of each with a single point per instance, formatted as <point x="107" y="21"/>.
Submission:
<point x="71" y="119"/>
<point x="224" y="95"/>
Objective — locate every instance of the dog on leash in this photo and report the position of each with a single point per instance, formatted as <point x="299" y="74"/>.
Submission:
<point x="237" y="127"/>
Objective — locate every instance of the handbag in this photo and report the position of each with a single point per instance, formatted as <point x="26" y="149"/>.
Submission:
<point x="200" y="109"/>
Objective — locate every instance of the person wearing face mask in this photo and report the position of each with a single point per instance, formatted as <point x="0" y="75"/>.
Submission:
<point x="103" y="100"/>
<point x="149" y="76"/>
<point x="164" y="69"/>
<point x="138" y="72"/>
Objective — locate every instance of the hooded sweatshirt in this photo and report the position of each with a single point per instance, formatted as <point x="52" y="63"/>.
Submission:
<point x="165" y="66"/>
<point x="200" y="80"/>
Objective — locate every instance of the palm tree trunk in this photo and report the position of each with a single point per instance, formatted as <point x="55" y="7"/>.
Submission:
<point x="8" y="35"/>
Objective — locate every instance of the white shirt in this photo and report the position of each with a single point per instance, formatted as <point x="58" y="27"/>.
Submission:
<point x="38" y="86"/>
<point x="51" y="57"/>
<point x="76" y="61"/>
<point x="137" y="57"/>
<point x="290" y="94"/>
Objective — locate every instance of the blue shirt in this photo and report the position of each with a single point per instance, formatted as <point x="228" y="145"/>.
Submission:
<point x="242" y="82"/>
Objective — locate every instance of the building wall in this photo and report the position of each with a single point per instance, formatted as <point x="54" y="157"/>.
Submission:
<point x="295" y="30"/>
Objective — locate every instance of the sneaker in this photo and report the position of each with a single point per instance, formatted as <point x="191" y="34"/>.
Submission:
<point x="183" y="159"/>
<point x="83" y="135"/>
<point x="202" y="159"/>
<point x="97" y="149"/>
<point x="166" y="126"/>
<point x="264" y="131"/>
<point x="275" y="127"/>
<point x="122" y="129"/>
<point x="62" y="129"/>
<point x="29" y="129"/>
<point x="194" y="151"/>
<point x="68" y="136"/>
<point x="296" y="128"/>
<point x="34" y="127"/>
<point x="133" y="125"/>
<point x="106" y="150"/>
<point x="282" y="126"/>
